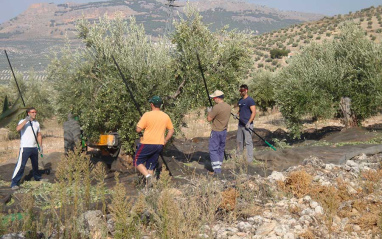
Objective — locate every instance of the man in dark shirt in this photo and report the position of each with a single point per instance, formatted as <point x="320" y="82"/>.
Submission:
<point x="219" y="115"/>
<point x="247" y="113"/>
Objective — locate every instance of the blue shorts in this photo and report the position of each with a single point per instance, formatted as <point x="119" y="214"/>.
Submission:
<point x="148" y="154"/>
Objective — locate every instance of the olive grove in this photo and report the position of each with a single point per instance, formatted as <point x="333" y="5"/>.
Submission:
<point x="322" y="74"/>
<point x="87" y="82"/>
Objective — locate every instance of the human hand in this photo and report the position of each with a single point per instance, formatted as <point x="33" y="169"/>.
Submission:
<point x="28" y="118"/>
<point x="41" y="149"/>
<point x="236" y="116"/>
<point x="248" y="125"/>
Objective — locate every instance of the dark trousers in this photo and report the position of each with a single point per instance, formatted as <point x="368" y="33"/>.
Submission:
<point x="216" y="147"/>
<point x="24" y="155"/>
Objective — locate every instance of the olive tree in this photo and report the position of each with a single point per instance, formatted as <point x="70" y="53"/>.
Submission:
<point x="87" y="82"/>
<point x="316" y="80"/>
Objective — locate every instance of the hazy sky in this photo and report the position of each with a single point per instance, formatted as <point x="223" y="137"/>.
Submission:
<point x="12" y="8"/>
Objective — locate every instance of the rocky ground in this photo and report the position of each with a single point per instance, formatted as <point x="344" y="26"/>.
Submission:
<point x="325" y="186"/>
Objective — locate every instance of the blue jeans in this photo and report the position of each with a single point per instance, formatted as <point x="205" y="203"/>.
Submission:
<point x="24" y="155"/>
<point x="216" y="147"/>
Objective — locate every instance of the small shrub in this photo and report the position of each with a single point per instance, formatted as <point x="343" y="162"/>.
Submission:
<point x="298" y="183"/>
<point x="279" y="53"/>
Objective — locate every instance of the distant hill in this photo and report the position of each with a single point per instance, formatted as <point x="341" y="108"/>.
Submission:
<point x="43" y="27"/>
<point x="296" y="37"/>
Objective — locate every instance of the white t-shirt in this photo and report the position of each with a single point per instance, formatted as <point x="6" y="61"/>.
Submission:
<point x="27" y="138"/>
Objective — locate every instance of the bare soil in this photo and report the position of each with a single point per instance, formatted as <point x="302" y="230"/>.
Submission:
<point x="327" y="140"/>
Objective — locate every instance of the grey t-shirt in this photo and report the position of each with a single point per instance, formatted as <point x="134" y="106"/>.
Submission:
<point x="220" y="114"/>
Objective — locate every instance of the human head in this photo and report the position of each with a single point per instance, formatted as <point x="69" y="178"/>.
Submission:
<point x="156" y="101"/>
<point x="243" y="90"/>
<point x="217" y="96"/>
<point x="32" y="112"/>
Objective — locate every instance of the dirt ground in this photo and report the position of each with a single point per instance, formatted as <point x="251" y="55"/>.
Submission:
<point x="188" y="154"/>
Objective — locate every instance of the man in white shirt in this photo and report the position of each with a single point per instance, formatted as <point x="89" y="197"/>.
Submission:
<point x="28" y="147"/>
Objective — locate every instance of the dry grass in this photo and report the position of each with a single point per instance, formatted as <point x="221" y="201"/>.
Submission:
<point x="308" y="234"/>
<point x="297" y="183"/>
<point x="229" y="199"/>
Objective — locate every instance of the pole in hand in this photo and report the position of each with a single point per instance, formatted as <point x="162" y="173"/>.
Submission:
<point x="18" y="88"/>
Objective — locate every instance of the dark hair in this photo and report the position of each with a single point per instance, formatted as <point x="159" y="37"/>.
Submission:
<point x="244" y="86"/>
<point x="30" y="108"/>
<point x="157" y="105"/>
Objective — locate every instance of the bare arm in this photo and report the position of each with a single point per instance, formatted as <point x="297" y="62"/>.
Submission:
<point x="169" y="135"/>
<point x="253" y="110"/>
<point x="39" y="138"/>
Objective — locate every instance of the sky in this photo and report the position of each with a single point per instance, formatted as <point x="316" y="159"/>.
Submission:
<point x="11" y="8"/>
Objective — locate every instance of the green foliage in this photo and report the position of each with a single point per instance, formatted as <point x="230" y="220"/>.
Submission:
<point x="88" y="84"/>
<point x="262" y="89"/>
<point x="278" y="53"/>
<point x="35" y="94"/>
<point x="314" y="82"/>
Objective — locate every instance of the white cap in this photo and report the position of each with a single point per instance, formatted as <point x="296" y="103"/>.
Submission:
<point x="217" y="93"/>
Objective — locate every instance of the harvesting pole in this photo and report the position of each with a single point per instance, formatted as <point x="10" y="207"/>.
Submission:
<point x="135" y="103"/>
<point x="18" y="88"/>
<point x="205" y="85"/>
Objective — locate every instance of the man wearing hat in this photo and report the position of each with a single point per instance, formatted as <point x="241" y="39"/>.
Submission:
<point x="154" y="123"/>
<point x="219" y="115"/>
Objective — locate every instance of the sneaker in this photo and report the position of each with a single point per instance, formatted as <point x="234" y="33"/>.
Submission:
<point x="44" y="180"/>
<point x="15" y="187"/>
<point x="149" y="182"/>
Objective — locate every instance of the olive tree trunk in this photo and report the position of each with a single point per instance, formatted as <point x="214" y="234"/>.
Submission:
<point x="349" y="119"/>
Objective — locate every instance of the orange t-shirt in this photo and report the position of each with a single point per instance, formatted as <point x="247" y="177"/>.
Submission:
<point x="155" y="124"/>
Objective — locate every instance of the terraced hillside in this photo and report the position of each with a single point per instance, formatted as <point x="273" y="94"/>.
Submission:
<point x="296" y="37"/>
<point x="33" y="35"/>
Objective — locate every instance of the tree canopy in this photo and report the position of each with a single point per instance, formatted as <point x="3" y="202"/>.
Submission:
<point x="87" y="82"/>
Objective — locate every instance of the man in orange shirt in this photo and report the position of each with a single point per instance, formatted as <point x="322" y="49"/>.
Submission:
<point x="154" y="124"/>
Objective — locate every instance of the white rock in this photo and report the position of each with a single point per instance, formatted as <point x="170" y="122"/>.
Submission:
<point x="305" y="219"/>
<point x="351" y="190"/>
<point x="266" y="228"/>
<point x="298" y="227"/>
<point x="280" y="229"/>
<point x="351" y="163"/>
<point x="289" y="235"/>
<point x="244" y="226"/>
<point x="256" y="220"/>
<point x="326" y="183"/>
<point x="307" y="211"/>
<point x="329" y="166"/>
<point x="307" y="199"/>
<point x="276" y="176"/>
<point x="319" y="210"/>
<point x="313" y="204"/>
<point x="356" y="228"/>
<point x="203" y="236"/>
<point x="232" y="229"/>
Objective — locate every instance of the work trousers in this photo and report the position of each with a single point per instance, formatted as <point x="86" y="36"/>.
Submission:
<point x="216" y="147"/>
<point x="244" y="137"/>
